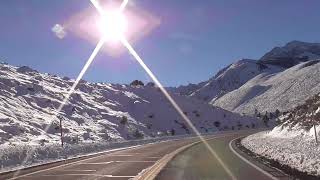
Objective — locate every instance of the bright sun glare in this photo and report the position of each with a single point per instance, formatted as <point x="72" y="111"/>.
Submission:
<point x="112" y="25"/>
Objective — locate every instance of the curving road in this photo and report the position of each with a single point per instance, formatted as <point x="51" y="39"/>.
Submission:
<point x="197" y="163"/>
<point x="194" y="163"/>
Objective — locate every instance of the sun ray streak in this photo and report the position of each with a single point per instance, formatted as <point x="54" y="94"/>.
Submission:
<point x="64" y="102"/>
<point x="167" y="95"/>
<point x="174" y="104"/>
<point x="97" y="6"/>
<point x="149" y="72"/>
<point x="123" y="5"/>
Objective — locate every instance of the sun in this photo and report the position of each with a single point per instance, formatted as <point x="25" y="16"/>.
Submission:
<point x="112" y="25"/>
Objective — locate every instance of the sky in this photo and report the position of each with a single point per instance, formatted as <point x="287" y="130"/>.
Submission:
<point x="193" y="40"/>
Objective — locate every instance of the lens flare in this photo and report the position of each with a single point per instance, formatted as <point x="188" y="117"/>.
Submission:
<point x="107" y="26"/>
<point x="175" y="105"/>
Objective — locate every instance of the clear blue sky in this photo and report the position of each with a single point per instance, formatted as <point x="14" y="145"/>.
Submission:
<point x="195" y="39"/>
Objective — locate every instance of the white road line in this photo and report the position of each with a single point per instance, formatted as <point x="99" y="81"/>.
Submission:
<point x="97" y="175"/>
<point x="250" y="163"/>
<point x="76" y="162"/>
<point x="135" y="161"/>
<point x="98" y="163"/>
<point x="153" y="171"/>
<point x="130" y="154"/>
<point x="84" y="170"/>
<point x="102" y="154"/>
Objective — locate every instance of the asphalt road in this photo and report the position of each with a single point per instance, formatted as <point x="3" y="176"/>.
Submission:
<point x="197" y="163"/>
<point x="126" y="164"/>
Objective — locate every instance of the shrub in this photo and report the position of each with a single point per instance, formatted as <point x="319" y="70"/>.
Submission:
<point x="138" y="134"/>
<point x="277" y="112"/>
<point x="253" y="125"/>
<point x="173" y="132"/>
<point x="149" y="125"/>
<point x="217" y="124"/>
<point x="31" y="89"/>
<point x="197" y="114"/>
<point x="137" y="83"/>
<point x="124" y="120"/>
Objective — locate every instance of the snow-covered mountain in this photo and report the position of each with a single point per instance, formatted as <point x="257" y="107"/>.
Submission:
<point x="269" y="92"/>
<point x="100" y="111"/>
<point x="232" y="77"/>
<point x="281" y="79"/>
<point x="282" y="90"/>
<point x="292" y="54"/>
<point x="186" y="89"/>
<point x="97" y="111"/>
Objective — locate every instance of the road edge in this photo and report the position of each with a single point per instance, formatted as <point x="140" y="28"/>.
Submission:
<point x="286" y="171"/>
<point x="232" y="145"/>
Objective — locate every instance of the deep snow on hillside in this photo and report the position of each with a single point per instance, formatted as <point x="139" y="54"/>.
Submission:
<point x="224" y="88"/>
<point x="231" y="78"/>
<point x="96" y="111"/>
<point x="292" y="149"/>
<point x="269" y="92"/>
<point x="293" y="141"/>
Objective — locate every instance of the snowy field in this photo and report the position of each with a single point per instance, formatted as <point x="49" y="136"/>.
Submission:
<point x="295" y="147"/>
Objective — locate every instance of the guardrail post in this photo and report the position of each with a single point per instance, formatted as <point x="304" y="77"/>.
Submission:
<point x="315" y="133"/>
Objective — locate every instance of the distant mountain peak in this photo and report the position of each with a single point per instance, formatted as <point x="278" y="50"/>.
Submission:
<point x="300" y="43"/>
<point x="292" y="53"/>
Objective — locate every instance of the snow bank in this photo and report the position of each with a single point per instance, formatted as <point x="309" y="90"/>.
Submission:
<point x="295" y="148"/>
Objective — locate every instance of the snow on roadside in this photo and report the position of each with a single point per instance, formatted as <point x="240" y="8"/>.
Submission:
<point x="293" y="147"/>
<point x="13" y="158"/>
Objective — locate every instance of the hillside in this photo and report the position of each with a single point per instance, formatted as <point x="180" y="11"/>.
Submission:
<point x="96" y="111"/>
<point x="292" y="142"/>
<point x="230" y="78"/>
<point x="268" y="92"/>
<point x="281" y="79"/>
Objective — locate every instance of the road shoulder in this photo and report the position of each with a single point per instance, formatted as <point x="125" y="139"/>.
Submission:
<point x="253" y="160"/>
